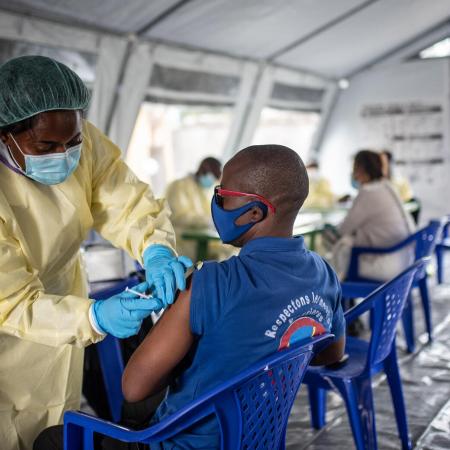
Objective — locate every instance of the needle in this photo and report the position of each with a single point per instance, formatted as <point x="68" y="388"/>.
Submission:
<point x="139" y="294"/>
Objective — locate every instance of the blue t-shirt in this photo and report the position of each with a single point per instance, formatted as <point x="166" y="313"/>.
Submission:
<point x="274" y="293"/>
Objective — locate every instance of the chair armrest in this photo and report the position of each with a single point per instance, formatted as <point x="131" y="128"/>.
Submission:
<point x="100" y="426"/>
<point x="375" y="250"/>
<point x="358" y="310"/>
<point x="160" y="431"/>
<point x="358" y="251"/>
<point x="355" y="289"/>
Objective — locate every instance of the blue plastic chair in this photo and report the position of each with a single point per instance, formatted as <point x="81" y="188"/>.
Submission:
<point x="110" y="353"/>
<point x="353" y="377"/>
<point x="252" y="408"/>
<point x="424" y="242"/>
<point x="441" y="247"/>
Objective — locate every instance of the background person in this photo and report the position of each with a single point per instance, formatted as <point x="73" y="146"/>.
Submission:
<point x="400" y="183"/>
<point x="320" y="194"/>
<point x="274" y="294"/>
<point x="189" y="199"/>
<point x="377" y="218"/>
<point x="60" y="177"/>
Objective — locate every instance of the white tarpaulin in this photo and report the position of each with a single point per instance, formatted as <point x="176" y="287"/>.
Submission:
<point x="247" y="55"/>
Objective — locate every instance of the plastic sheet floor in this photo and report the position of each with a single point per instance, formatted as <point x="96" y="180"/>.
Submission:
<point x="426" y="386"/>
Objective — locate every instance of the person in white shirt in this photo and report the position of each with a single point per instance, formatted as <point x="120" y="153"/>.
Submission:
<point x="376" y="219"/>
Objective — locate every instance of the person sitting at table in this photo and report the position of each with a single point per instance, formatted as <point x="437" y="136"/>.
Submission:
<point x="400" y="183"/>
<point x="189" y="201"/>
<point x="273" y="295"/>
<point x="377" y="218"/>
<point x="320" y="194"/>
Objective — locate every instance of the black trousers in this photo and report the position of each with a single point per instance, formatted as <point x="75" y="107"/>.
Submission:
<point x="135" y="415"/>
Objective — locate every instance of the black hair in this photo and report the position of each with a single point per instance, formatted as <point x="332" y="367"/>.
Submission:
<point x="389" y="155"/>
<point x="277" y="173"/>
<point x="313" y="164"/>
<point x="210" y="164"/>
<point x="370" y="162"/>
<point x="211" y="161"/>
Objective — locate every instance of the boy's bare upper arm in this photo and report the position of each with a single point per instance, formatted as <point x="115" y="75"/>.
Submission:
<point x="150" y="366"/>
<point x="330" y="354"/>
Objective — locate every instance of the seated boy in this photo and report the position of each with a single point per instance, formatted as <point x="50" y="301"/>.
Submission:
<point x="239" y="311"/>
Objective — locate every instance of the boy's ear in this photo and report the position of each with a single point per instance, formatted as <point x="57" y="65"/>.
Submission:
<point x="255" y="214"/>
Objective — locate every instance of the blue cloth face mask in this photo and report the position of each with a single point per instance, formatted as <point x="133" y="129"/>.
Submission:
<point x="355" y="183"/>
<point x="50" y="169"/>
<point x="224" y="220"/>
<point x="207" y="180"/>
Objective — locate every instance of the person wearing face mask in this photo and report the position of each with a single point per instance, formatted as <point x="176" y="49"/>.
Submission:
<point x="320" y="194"/>
<point x="376" y="219"/>
<point x="60" y="177"/>
<point x="189" y="201"/>
<point x="238" y="311"/>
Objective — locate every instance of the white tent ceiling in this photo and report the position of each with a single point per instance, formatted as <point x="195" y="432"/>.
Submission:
<point x="333" y="38"/>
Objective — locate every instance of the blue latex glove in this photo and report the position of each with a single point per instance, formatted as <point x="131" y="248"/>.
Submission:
<point x="165" y="272"/>
<point x="122" y="314"/>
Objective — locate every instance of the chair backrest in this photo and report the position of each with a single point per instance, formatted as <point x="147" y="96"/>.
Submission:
<point x="446" y="221"/>
<point x="427" y="238"/>
<point x="253" y="407"/>
<point x="266" y="399"/>
<point x="110" y="354"/>
<point x="386" y="304"/>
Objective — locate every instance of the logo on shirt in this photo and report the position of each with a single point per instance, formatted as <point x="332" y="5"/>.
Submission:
<point x="299" y="330"/>
<point x="310" y="312"/>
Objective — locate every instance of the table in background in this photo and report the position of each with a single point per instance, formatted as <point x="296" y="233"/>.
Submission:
<point x="309" y="224"/>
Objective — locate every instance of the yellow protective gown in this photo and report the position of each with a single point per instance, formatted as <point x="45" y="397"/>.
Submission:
<point x="190" y="204"/>
<point x="403" y="188"/>
<point x="44" y="306"/>
<point x="320" y="194"/>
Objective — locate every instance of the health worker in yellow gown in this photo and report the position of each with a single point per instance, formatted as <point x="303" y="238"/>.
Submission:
<point x="60" y="177"/>
<point x="189" y="199"/>
<point x="320" y="194"/>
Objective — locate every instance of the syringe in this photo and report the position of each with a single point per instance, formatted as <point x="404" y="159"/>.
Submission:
<point x="139" y="294"/>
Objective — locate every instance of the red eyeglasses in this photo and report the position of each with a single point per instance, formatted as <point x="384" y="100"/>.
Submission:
<point x="219" y="193"/>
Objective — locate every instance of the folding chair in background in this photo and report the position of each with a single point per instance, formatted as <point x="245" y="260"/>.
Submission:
<point x="424" y="242"/>
<point x="353" y="378"/>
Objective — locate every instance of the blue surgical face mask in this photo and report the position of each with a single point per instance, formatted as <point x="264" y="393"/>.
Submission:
<point x="355" y="183"/>
<point x="224" y="220"/>
<point x="207" y="180"/>
<point x="50" y="169"/>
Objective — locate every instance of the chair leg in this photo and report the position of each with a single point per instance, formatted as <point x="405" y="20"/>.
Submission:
<point x="318" y="406"/>
<point x="408" y="324"/>
<point x="78" y="438"/>
<point x="440" y="264"/>
<point x="358" y="398"/>
<point x="282" y="445"/>
<point x="395" y="385"/>
<point x="424" y="294"/>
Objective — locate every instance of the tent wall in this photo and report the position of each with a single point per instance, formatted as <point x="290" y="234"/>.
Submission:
<point x="415" y="82"/>
<point x="107" y="50"/>
<point x="254" y="89"/>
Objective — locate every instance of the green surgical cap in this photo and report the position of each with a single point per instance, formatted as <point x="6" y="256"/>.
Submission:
<point x="30" y="85"/>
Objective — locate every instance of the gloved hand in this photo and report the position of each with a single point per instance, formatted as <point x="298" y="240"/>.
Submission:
<point x="165" y="272"/>
<point x="122" y="314"/>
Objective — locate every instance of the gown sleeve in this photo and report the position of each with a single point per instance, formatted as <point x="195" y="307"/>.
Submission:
<point x="124" y="209"/>
<point x="28" y="312"/>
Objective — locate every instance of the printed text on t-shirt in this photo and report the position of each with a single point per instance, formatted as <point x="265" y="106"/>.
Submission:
<point x="314" y="307"/>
